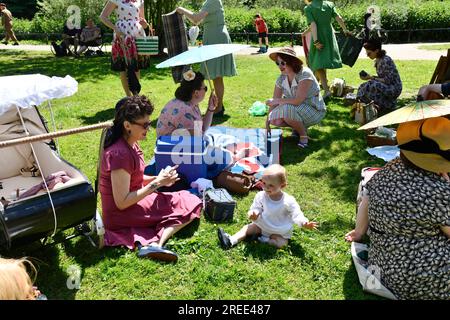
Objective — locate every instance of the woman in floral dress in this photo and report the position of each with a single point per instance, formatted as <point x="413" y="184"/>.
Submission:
<point x="405" y="212"/>
<point x="386" y="86"/>
<point x="129" y="26"/>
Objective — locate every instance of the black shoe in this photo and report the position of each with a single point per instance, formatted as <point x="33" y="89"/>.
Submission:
<point x="224" y="239"/>
<point x="157" y="253"/>
<point x="220" y="113"/>
<point x="5" y="42"/>
<point x="15" y="44"/>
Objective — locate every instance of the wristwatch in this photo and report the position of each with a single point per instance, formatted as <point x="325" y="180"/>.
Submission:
<point x="154" y="185"/>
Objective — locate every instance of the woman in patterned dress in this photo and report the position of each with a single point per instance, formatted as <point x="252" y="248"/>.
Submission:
<point x="183" y="112"/>
<point x="296" y="101"/>
<point x="215" y="32"/>
<point x="405" y="211"/>
<point x="129" y="26"/>
<point x="386" y="86"/>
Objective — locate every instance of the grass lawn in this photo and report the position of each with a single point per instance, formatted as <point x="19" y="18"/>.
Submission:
<point x="434" y="47"/>
<point x="323" y="178"/>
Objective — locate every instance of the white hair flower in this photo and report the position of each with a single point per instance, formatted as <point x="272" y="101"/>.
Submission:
<point x="189" y="75"/>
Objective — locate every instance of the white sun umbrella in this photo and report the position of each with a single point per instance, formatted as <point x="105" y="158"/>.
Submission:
<point x="201" y="54"/>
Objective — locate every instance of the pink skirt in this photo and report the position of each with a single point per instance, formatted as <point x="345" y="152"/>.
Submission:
<point x="145" y="221"/>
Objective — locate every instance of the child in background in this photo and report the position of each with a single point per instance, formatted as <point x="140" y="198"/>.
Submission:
<point x="15" y="283"/>
<point x="261" y="28"/>
<point x="273" y="213"/>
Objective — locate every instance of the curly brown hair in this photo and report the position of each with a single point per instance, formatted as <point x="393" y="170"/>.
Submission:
<point x="128" y="109"/>
<point x="295" y="63"/>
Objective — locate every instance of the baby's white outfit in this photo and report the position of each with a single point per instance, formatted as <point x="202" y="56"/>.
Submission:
<point x="277" y="217"/>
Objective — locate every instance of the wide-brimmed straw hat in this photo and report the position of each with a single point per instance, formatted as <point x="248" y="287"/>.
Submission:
<point x="286" y="50"/>
<point x="426" y="143"/>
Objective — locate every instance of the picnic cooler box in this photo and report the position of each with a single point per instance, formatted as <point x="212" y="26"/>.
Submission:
<point x="185" y="151"/>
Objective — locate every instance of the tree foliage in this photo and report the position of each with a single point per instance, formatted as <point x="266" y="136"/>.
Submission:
<point x="23" y="8"/>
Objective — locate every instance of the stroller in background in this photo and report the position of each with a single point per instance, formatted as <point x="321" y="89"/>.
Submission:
<point x="26" y="219"/>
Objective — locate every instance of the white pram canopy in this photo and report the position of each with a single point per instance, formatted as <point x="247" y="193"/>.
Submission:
<point x="25" y="91"/>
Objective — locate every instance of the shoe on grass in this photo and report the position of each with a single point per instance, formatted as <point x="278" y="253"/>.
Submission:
<point x="157" y="253"/>
<point x="224" y="239"/>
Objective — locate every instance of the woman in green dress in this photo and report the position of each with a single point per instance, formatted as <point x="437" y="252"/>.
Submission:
<point x="214" y="32"/>
<point x="324" y="50"/>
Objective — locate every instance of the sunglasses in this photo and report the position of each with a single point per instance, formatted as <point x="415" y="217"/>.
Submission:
<point x="282" y="63"/>
<point x="144" y="125"/>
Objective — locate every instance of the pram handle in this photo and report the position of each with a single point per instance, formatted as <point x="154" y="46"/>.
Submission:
<point x="56" y="134"/>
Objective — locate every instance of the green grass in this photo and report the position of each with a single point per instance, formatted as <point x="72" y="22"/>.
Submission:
<point x="435" y="47"/>
<point x="323" y="178"/>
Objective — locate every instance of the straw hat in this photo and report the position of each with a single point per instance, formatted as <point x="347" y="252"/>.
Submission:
<point x="286" y="50"/>
<point x="426" y="143"/>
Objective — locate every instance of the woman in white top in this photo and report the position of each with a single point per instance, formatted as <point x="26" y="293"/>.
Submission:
<point x="296" y="101"/>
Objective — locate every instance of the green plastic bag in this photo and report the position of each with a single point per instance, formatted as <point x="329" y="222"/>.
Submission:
<point x="258" y="109"/>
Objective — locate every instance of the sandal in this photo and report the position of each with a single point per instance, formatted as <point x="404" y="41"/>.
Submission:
<point x="302" y="144"/>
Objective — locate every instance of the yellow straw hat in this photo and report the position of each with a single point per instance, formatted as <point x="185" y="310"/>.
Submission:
<point x="286" y="50"/>
<point x="426" y="143"/>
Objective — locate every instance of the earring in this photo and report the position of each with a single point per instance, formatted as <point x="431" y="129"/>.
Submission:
<point x="129" y="132"/>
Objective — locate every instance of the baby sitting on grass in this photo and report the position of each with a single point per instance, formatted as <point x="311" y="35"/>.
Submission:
<point x="273" y="213"/>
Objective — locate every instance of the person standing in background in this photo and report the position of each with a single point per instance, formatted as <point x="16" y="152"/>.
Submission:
<point x="130" y="25"/>
<point x="261" y="28"/>
<point x="215" y="32"/>
<point x="324" y="50"/>
<point x="7" y="22"/>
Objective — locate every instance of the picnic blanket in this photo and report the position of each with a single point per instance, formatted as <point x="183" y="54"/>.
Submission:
<point x="251" y="148"/>
<point x="176" y="40"/>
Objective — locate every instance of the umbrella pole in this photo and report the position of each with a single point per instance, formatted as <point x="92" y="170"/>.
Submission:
<point x="209" y="77"/>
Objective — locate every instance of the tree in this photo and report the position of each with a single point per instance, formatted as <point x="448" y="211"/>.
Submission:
<point x="23" y="8"/>
<point x="153" y="11"/>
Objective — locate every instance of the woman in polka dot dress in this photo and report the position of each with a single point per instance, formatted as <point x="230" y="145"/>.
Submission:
<point x="130" y="25"/>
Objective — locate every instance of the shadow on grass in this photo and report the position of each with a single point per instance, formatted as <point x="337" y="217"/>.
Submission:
<point x="83" y="69"/>
<point x="51" y="276"/>
<point x="340" y="136"/>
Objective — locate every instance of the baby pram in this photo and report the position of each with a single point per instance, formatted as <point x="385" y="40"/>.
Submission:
<point x="25" y="219"/>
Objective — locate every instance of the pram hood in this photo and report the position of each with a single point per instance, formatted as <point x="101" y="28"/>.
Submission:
<point x="25" y="91"/>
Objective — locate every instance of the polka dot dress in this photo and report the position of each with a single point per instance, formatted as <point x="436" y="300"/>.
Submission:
<point x="128" y="23"/>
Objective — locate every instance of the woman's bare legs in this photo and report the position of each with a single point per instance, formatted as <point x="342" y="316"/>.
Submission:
<point x="322" y="74"/>
<point x="124" y="80"/>
<point x="220" y="90"/>
<point x="296" y="125"/>
<point x="170" y="231"/>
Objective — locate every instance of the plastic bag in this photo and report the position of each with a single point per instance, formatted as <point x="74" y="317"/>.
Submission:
<point x="258" y="109"/>
<point x="193" y="34"/>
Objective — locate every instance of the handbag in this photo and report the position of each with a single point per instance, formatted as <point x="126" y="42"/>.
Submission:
<point x="219" y="206"/>
<point x="349" y="48"/>
<point x="234" y="182"/>
<point x="364" y="112"/>
<point x="148" y="46"/>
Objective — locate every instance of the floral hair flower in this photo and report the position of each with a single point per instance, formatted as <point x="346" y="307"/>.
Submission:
<point x="189" y="75"/>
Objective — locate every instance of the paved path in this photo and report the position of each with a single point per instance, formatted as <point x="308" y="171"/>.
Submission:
<point x="407" y="51"/>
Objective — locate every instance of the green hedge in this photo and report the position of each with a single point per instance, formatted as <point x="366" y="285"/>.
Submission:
<point x="397" y="16"/>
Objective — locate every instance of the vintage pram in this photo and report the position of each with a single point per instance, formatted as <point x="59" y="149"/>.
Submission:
<point x="40" y="216"/>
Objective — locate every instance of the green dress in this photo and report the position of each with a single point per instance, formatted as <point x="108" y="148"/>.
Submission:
<point x="215" y="32"/>
<point x="322" y="13"/>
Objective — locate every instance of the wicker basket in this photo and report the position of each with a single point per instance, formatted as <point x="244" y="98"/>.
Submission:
<point x="375" y="141"/>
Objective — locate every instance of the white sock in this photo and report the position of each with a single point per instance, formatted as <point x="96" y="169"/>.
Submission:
<point x="233" y="240"/>
<point x="263" y="239"/>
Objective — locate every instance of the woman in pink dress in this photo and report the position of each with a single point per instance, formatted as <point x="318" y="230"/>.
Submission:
<point x="134" y="212"/>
